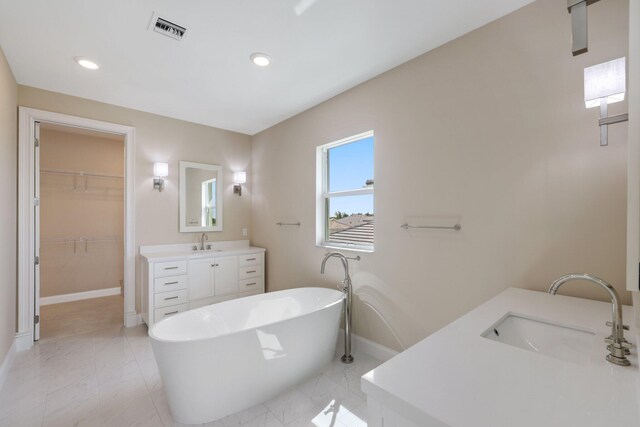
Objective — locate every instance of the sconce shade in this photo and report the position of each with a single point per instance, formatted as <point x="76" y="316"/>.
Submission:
<point x="161" y="170"/>
<point x="605" y="81"/>
<point x="240" y="177"/>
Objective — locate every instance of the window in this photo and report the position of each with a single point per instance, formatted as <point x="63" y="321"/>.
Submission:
<point x="208" y="204"/>
<point x="345" y="207"/>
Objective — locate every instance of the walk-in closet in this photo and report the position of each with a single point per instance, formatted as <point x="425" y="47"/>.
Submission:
<point x="81" y="229"/>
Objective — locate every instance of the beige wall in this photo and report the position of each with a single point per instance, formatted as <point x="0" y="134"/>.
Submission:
<point x="161" y="139"/>
<point x="74" y="208"/>
<point x="490" y="129"/>
<point x="8" y="207"/>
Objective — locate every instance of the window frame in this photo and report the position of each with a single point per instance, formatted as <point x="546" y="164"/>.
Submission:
<point x="323" y="195"/>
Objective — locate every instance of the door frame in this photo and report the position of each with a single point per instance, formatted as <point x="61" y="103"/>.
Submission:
<point x="27" y="117"/>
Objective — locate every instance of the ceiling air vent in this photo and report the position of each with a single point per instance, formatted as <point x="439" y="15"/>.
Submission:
<point x="167" y="28"/>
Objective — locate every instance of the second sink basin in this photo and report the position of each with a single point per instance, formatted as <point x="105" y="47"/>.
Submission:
<point x="561" y="342"/>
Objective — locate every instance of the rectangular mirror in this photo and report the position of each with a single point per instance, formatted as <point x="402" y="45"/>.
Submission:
<point x="200" y="197"/>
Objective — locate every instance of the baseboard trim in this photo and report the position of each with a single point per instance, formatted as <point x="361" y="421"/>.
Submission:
<point x="5" y="367"/>
<point x="361" y="344"/>
<point x="23" y="341"/>
<point x="133" y="319"/>
<point x="57" y="299"/>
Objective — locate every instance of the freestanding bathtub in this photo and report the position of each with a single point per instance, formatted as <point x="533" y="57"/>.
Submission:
<point x="223" y="358"/>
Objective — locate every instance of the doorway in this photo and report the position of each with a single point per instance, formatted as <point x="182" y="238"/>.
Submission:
<point x="80" y="227"/>
<point x="68" y="252"/>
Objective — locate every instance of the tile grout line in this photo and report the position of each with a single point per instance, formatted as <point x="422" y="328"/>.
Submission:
<point x="146" y="385"/>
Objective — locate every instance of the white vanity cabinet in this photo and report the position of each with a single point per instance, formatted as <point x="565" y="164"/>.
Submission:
<point x="213" y="277"/>
<point x="168" y="288"/>
<point x="178" y="280"/>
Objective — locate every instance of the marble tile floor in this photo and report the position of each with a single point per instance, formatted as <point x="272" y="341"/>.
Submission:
<point x="109" y="377"/>
<point x="78" y="317"/>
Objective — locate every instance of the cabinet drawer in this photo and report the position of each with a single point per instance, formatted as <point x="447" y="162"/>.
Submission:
<point x="170" y="268"/>
<point x="163" y="313"/>
<point x="248" y="285"/>
<point x="166" y="299"/>
<point x="166" y="284"/>
<point x="251" y="259"/>
<point x="249" y="272"/>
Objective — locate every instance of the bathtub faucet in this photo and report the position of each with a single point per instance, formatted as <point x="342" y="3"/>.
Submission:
<point x="346" y="289"/>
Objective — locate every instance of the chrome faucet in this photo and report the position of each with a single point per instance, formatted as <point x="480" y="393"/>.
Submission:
<point x="618" y="346"/>
<point x="346" y="289"/>
<point x="203" y="237"/>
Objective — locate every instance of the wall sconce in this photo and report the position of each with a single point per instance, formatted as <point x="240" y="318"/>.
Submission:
<point x="578" y="11"/>
<point x="239" y="178"/>
<point x="160" y="171"/>
<point x="605" y="84"/>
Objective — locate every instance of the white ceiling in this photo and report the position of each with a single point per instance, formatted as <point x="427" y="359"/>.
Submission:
<point x="319" y="49"/>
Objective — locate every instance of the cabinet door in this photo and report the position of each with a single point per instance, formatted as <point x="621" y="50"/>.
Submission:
<point x="226" y="275"/>
<point x="201" y="278"/>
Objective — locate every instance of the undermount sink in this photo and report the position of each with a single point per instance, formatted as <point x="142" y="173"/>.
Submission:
<point x="567" y="343"/>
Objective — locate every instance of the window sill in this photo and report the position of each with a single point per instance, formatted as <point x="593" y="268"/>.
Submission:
<point x="351" y="248"/>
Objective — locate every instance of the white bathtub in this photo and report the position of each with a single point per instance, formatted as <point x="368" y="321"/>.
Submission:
<point x="223" y="358"/>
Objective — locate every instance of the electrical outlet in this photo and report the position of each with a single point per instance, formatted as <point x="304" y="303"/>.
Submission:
<point x="244" y="232"/>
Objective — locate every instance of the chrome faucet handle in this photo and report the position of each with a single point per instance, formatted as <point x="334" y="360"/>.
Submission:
<point x="627" y="346"/>
<point x="624" y="347"/>
<point x="342" y="286"/>
<point x="609" y="339"/>
<point x="624" y="327"/>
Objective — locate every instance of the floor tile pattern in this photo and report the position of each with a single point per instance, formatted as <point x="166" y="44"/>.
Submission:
<point x="109" y="377"/>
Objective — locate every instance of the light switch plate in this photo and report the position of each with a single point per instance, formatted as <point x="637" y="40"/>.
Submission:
<point x="244" y="232"/>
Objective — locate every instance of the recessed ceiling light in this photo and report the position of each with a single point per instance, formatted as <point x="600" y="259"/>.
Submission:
<point x="260" y="59"/>
<point x="86" y="63"/>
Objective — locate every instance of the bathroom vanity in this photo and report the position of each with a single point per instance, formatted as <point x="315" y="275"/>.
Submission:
<point x="176" y="278"/>
<point x="524" y="358"/>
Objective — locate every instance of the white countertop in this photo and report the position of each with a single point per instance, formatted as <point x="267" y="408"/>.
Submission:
<point x="191" y="254"/>
<point x="456" y="377"/>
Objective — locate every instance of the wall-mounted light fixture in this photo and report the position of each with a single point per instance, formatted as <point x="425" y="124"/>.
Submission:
<point x="578" y="11"/>
<point x="605" y="84"/>
<point x="239" y="178"/>
<point x="160" y="171"/>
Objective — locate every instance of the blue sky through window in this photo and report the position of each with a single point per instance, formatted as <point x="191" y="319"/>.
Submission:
<point x="351" y="204"/>
<point x="350" y="166"/>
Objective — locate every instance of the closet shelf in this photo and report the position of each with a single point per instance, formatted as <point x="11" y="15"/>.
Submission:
<point x="81" y="182"/>
<point x="79" y="243"/>
<point x="80" y="173"/>
<point x="64" y="240"/>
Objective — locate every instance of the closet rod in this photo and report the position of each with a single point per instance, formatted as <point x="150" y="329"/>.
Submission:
<point x="81" y="239"/>
<point x="80" y="173"/>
